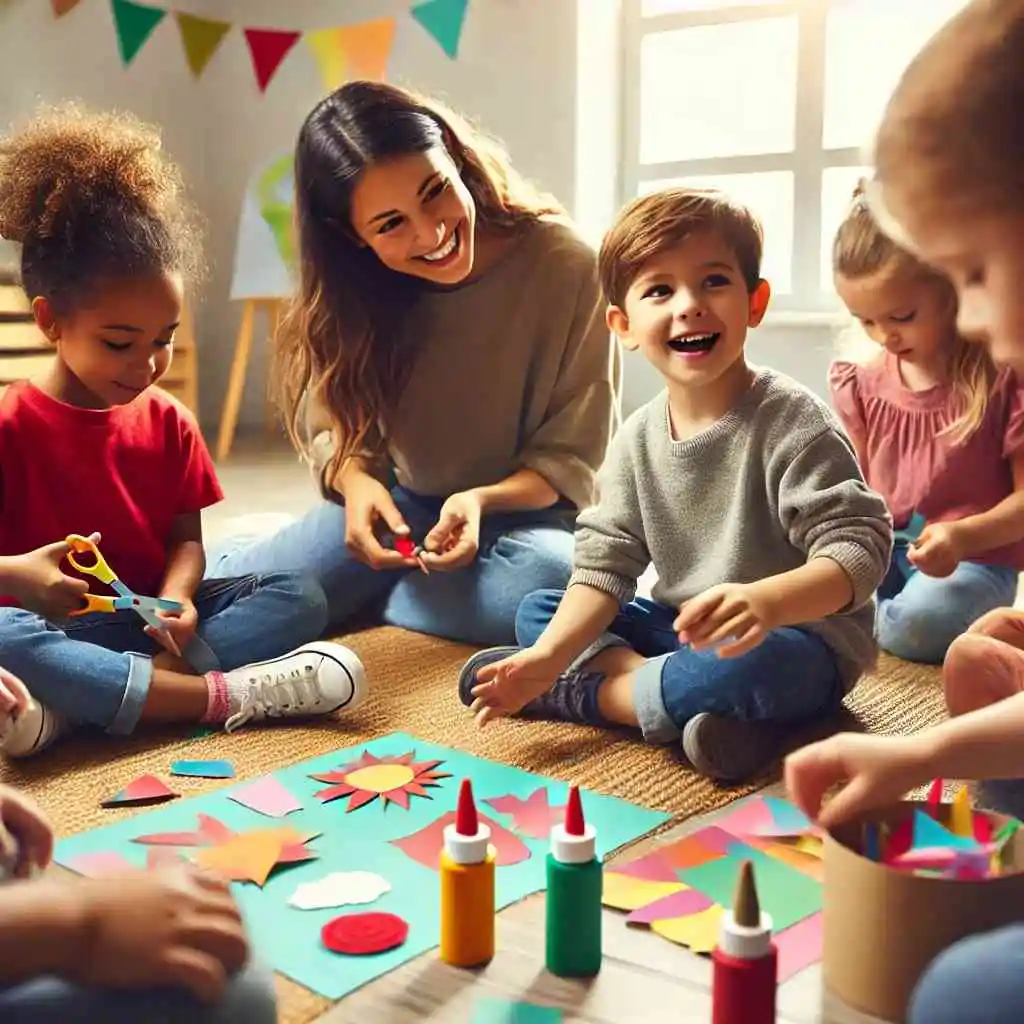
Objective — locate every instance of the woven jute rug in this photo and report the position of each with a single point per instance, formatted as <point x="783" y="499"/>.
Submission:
<point x="413" y="690"/>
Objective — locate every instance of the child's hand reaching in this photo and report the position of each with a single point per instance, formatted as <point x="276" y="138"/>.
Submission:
<point x="937" y="551"/>
<point x="873" y="771"/>
<point x="26" y="839"/>
<point x="172" y="927"/>
<point x="507" y="686"/>
<point x="734" y="612"/>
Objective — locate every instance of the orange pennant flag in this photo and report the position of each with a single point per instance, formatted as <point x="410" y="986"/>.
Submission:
<point x="61" y="7"/>
<point x="353" y="51"/>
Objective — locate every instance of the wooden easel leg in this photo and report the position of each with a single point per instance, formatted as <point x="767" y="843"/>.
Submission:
<point x="236" y="381"/>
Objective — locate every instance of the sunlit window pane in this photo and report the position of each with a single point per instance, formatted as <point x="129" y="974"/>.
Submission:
<point x="769" y="195"/>
<point x="837" y="185"/>
<point x="652" y="8"/>
<point x="869" y="44"/>
<point x="718" y="90"/>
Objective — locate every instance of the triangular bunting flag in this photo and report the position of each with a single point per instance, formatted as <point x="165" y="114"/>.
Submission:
<point x="200" y="37"/>
<point x="353" y="51"/>
<point x="268" y="48"/>
<point x="134" y="24"/>
<point x="61" y="7"/>
<point x="147" y="789"/>
<point x="443" y="19"/>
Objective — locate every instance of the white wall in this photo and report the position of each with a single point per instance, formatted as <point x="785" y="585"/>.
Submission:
<point x="515" y="74"/>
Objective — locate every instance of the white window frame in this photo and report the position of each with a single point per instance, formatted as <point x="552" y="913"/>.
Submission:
<point x="807" y="161"/>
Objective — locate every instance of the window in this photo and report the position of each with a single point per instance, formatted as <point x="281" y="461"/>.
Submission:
<point x="772" y="101"/>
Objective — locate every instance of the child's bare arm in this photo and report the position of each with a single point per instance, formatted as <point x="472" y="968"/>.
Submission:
<point x="186" y="559"/>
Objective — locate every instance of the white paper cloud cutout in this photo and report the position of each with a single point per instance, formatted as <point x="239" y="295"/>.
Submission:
<point x="339" y="889"/>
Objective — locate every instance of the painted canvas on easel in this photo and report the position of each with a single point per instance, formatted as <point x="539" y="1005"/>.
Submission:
<point x="265" y="251"/>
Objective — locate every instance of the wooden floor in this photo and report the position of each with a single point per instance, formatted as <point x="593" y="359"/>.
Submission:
<point x="644" y="978"/>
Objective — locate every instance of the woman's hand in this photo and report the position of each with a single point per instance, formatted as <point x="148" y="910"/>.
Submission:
<point x="455" y="540"/>
<point x="368" y="501"/>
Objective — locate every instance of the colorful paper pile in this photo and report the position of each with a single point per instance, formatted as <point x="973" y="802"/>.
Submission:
<point x="966" y="849"/>
<point x="679" y="891"/>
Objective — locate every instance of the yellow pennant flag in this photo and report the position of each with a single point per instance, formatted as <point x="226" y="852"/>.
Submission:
<point x="353" y="51"/>
<point x="200" y="37"/>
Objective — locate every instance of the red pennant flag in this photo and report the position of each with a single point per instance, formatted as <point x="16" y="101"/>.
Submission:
<point x="268" y="47"/>
<point x="61" y="7"/>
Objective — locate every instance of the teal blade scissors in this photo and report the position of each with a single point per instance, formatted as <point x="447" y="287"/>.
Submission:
<point x="127" y="599"/>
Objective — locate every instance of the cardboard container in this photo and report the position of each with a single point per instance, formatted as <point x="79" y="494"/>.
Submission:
<point x="882" y="927"/>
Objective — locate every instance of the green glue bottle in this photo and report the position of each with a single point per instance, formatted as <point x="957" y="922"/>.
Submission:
<point x="573" y="912"/>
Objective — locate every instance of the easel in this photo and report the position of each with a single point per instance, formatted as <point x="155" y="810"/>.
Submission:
<point x="274" y="309"/>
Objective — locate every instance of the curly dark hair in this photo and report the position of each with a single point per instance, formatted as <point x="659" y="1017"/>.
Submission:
<point x="89" y="197"/>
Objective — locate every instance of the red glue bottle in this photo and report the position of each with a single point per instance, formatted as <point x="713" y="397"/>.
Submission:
<point x="745" y="973"/>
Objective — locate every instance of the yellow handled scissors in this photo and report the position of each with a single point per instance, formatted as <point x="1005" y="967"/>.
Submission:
<point x="147" y="607"/>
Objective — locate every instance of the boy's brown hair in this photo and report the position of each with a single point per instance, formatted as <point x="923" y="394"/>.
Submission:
<point x="654" y="223"/>
<point x="952" y="128"/>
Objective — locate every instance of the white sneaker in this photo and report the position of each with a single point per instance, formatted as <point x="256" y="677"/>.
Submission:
<point x="32" y="731"/>
<point x="316" y="679"/>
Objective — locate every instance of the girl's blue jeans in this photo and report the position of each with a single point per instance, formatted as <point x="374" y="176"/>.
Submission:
<point x="519" y="552"/>
<point x="919" y="616"/>
<point x="790" y="678"/>
<point x="96" y="669"/>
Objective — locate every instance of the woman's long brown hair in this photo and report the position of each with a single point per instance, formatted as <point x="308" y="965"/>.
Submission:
<point x="341" y="342"/>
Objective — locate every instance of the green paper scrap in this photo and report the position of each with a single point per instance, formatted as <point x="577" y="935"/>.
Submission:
<point x="288" y="940"/>
<point x="443" y="19"/>
<point x="786" y="894"/>
<point x="508" y="1011"/>
<point x="134" y="24"/>
<point x="1006" y="832"/>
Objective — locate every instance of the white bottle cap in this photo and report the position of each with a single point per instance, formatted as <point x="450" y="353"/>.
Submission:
<point x="467" y="849"/>
<point x="570" y="849"/>
<point x="744" y="942"/>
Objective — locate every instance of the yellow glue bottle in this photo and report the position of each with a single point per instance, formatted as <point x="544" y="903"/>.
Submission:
<point x="467" y="887"/>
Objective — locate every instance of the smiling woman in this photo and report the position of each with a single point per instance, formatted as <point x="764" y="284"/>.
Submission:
<point x="445" y="366"/>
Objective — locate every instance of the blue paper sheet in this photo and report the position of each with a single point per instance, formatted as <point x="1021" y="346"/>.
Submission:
<point x="360" y="840"/>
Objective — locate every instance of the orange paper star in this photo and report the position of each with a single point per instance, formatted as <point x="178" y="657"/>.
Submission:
<point x="393" y="778"/>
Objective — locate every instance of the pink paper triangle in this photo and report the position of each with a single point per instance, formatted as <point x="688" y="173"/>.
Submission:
<point x="145" y="789"/>
<point x="267" y="796"/>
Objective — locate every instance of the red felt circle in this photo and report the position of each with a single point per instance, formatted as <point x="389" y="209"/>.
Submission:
<point x="405" y="546"/>
<point x="363" y="934"/>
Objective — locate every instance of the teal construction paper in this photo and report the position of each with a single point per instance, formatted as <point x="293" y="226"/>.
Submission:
<point x="204" y="769"/>
<point x="289" y="939"/>
<point x="507" y="1011"/>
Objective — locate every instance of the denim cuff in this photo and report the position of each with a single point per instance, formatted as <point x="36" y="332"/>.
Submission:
<point x="602" y="643"/>
<point x="649" y="704"/>
<point x="140" y="676"/>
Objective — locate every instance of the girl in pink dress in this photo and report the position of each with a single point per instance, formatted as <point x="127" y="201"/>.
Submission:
<point x="939" y="432"/>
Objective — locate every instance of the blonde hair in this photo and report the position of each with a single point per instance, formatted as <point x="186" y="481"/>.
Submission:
<point x="951" y="132"/>
<point x="861" y="248"/>
<point x="342" y="341"/>
<point x="653" y="223"/>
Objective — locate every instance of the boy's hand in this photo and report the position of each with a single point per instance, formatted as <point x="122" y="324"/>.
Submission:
<point x="38" y="583"/>
<point x="873" y="771"/>
<point x="507" y="686"/>
<point x="937" y="551"/>
<point x="174" y="926"/>
<point x="731" y="611"/>
<point x="180" y="627"/>
<point x="455" y="539"/>
<point x="24" y="822"/>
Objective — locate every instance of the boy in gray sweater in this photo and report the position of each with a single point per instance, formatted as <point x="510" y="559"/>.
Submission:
<point x="741" y="488"/>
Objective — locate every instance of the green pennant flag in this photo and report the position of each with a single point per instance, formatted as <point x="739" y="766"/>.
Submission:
<point x="443" y="19"/>
<point x="134" y="24"/>
<point x="200" y="37"/>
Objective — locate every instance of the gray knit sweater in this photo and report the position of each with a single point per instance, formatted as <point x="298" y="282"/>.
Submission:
<point x="772" y="484"/>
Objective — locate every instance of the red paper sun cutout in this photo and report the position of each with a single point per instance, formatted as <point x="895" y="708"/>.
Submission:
<point x="393" y="778"/>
